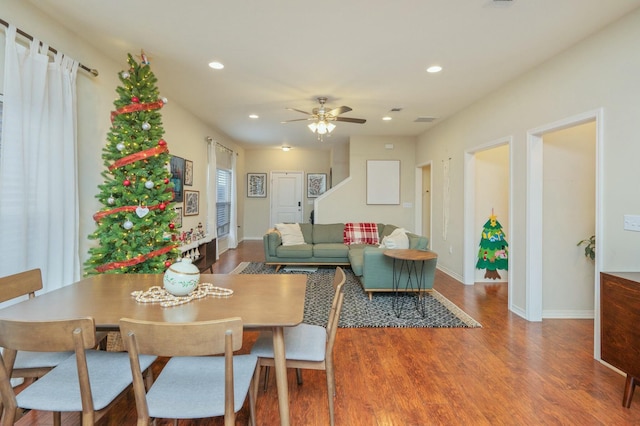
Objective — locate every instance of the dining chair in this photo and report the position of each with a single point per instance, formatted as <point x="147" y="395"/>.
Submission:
<point x="307" y="346"/>
<point x="31" y="365"/>
<point x="89" y="381"/>
<point x="193" y="384"/>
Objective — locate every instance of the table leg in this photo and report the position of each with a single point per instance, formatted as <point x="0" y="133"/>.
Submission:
<point x="281" y="374"/>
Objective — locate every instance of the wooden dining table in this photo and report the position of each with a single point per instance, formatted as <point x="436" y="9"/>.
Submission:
<point x="269" y="301"/>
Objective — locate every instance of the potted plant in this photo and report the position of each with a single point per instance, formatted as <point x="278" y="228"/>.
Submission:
<point x="589" y="247"/>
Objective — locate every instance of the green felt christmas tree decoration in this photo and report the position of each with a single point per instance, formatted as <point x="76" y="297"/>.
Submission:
<point x="134" y="227"/>
<point x="493" y="253"/>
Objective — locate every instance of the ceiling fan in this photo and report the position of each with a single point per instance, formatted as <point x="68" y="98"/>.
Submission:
<point x="322" y="119"/>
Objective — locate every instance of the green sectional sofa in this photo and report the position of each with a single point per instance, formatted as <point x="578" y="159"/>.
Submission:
<point x="324" y="245"/>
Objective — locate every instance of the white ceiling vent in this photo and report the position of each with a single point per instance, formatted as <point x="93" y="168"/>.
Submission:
<point x="424" y="119"/>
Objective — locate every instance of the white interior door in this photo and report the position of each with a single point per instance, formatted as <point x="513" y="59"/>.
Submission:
<point x="286" y="197"/>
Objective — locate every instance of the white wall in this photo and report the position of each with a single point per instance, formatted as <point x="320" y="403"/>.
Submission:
<point x="185" y="134"/>
<point x="347" y="202"/>
<point x="599" y="72"/>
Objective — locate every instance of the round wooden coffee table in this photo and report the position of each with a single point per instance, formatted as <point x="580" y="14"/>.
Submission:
<point x="412" y="261"/>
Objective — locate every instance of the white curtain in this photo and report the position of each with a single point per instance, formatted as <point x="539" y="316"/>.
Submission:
<point x="38" y="165"/>
<point x="212" y="191"/>
<point x="233" y="220"/>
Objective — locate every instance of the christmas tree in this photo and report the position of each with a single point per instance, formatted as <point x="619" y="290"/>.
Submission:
<point x="493" y="254"/>
<point x="134" y="227"/>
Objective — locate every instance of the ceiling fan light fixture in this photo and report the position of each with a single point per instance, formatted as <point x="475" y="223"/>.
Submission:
<point x="313" y="127"/>
<point x="330" y="127"/>
<point x="322" y="127"/>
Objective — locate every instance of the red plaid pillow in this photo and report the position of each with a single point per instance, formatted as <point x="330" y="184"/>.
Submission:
<point x="361" y="233"/>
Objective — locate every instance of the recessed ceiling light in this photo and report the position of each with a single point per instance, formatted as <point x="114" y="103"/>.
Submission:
<point x="286" y="148"/>
<point x="254" y="116"/>
<point x="434" y="69"/>
<point x="387" y="118"/>
<point x="216" y="65"/>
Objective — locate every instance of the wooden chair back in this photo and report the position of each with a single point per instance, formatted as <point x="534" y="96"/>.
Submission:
<point x="45" y="336"/>
<point x="200" y="338"/>
<point x="336" y="308"/>
<point x="23" y="283"/>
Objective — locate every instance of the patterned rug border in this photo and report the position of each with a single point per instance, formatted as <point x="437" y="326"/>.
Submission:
<point x="469" y="322"/>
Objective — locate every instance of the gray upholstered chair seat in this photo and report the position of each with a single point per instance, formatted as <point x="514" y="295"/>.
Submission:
<point x="302" y="342"/>
<point x="187" y="388"/>
<point x="26" y="359"/>
<point x="59" y="390"/>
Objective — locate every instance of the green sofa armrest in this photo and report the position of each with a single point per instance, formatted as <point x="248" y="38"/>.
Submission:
<point x="271" y="240"/>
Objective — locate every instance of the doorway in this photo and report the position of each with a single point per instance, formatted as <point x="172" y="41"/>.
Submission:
<point x="286" y="197"/>
<point x="535" y="213"/>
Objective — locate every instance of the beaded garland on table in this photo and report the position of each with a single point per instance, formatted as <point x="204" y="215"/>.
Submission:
<point x="157" y="294"/>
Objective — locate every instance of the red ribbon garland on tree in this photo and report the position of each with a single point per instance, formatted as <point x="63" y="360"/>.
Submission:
<point x="141" y="155"/>
<point x="135" y="260"/>
<point x="104" y="213"/>
<point x="136" y="107"/>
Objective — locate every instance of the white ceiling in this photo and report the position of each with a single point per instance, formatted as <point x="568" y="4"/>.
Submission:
<point x="370" y="55"/>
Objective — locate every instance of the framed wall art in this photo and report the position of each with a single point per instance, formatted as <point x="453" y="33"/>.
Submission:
<point x="177" y="221"/>
<point x="191" y="203"/>
<point x="316" y="184"/>
<point x="256" y="185"/>
<point x="176" y="167"/>
<point x="383" y="181"/>
<point x="188" y="172"/>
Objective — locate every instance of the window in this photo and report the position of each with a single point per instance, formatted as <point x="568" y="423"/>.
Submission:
<point x="223" y="201"/>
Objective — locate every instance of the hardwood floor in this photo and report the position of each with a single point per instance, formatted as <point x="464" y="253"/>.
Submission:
<point x="509" y="372"/>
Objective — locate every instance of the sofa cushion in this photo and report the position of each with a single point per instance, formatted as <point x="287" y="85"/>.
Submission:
<point x="388" y="229"/>
<point x="417" y="242"/>
<point x="328" y="233"/>
<point x="330" y="250"/>
<point x="290" y="233"/>
<point x="361" y="233"/>
<point x="307" y="232"/>
<point x="300" y="251"/>
<point x="356" y="258"/>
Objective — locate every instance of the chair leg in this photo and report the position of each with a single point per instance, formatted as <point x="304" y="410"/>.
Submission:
<point x="253" y="392"/>
<point x="331" y="390"/>
<point x="266" y="378"/>
<point x="299" y="376"/>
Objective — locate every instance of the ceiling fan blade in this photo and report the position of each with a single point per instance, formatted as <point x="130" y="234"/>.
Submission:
<point x="340" y="110"/>
<point x="351" y="120"/>
<point x="299" y="110"/>
<point x="298" y="119"/>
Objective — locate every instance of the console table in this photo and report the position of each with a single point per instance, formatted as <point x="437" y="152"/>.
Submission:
<point x="619" y="331"/>
<point x="207" y="249"/>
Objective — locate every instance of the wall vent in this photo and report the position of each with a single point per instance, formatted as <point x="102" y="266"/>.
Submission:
<point x="424" y="119"/>
<point x="396" y="109"/>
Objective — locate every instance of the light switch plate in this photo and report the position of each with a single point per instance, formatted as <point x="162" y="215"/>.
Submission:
<point x="632" y="222"/>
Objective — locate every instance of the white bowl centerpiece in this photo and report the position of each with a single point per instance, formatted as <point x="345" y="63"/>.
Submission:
<point x="181" y="278"/>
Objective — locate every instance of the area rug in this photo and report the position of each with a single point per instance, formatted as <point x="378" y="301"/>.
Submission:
<point x="358" y="310"/>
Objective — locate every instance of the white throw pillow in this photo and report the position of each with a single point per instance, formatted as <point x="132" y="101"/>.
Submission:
<point x="290" y="233"/>
<point x="396" y="240"/>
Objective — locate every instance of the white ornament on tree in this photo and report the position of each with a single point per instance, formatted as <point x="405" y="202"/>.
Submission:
<point x="127" y="224"/>
<point x="149" y="184"/>
<point x="111" y="200"/>
<point x="146" y="126"/>
<point x="142" y="211"/>
<point x="125" y="74"/>
<point x="120" y="146"/>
